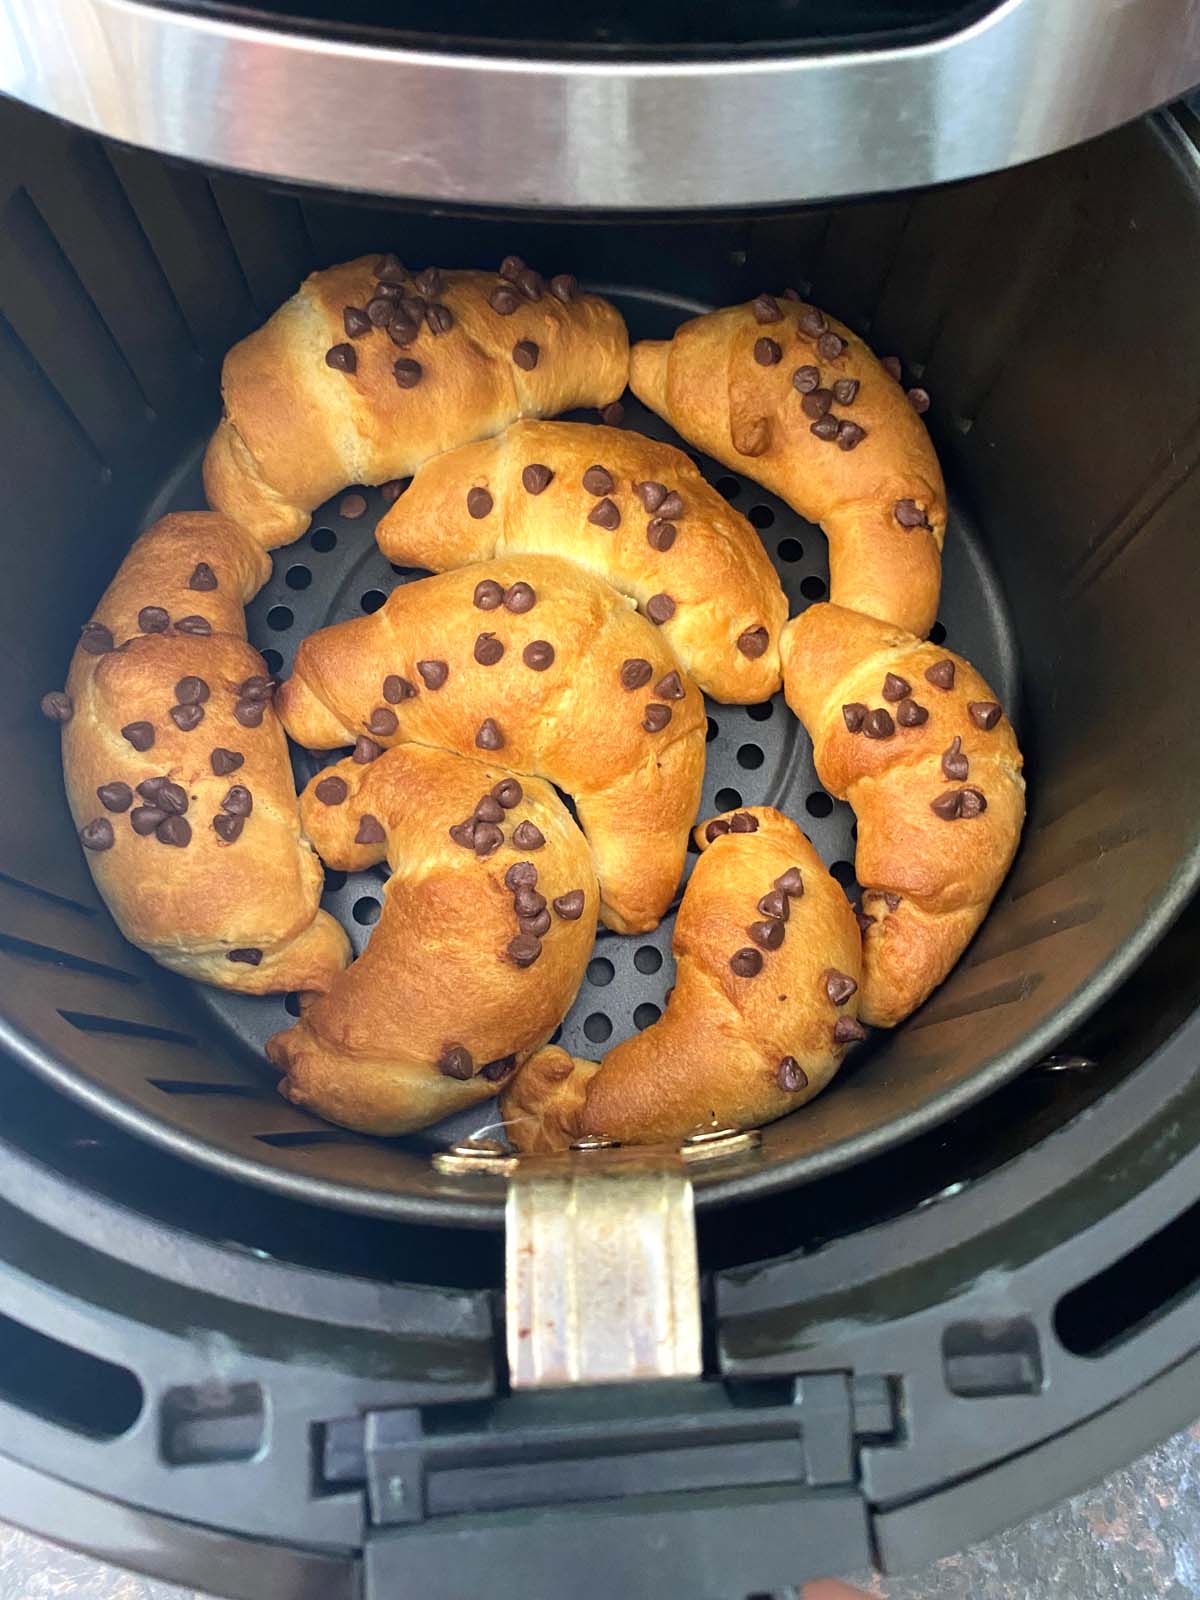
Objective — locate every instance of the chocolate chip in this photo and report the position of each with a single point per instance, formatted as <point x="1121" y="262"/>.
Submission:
<point x="429" y="281"/>
<point x="879" y="724"/>
<point x="854" y="715"/>
<point x="826" y="428"/>
<point x="479" y="503"/>
<point x="187" y="718"/>
<point x="830" y="347"/>
<point x="520" y="874"/>
<point x="863" y="920"/>
<point x="531" y="284"/>
<point x="911" y="715"/>
<point x="716" y="828"/>
<point x="397" y="689"/>
<point x="145" y="819"/>
<point x="488" y="649"/>
<point x="503" y="300"/>
<point x="673" y="506"/>
<point x="488" y="594"/>
<point x="525" y="949"/>
<point x="528" y="836"/>
<point x="167" y="796"/>
<point x="955" y="765"/>
<point x="390" y="269"/>
<point x="536" y="477"/>
<point x="175" y="831"/>
<point x="228" y="829"/>
<point x="439" y="319"/>
<point x="433" y="673"/>
<point x="115" y="796"/>
<point x="605" y="514"/>
<point x="746" y="963"/>
<point x="355" y="321"/>
<point x="487" y="838"/>
<point x="656" y="718"/>
<point x="510" y="267"/>
<point x="891" y="365"/>
<point x="342" y="358"/>
<point x="743" y="822"/>
<point x="768" y="933"/>
<point x="257" y="687"/>
<point x="393" y="489"/>
<point x="895" y="687"/>
<point x="660" y="608"/>
<point x="95" y="639"/>
<point x="509" y="793"/>
<point x="149" y="789"/>
<point x="489" y="809"/>
<point x="456" y="1061"/>
<point x="660" y="535"/>
<point x="766" y="309"/>
<point x="370" y="830"/>
<point x="519" y="597"/>
<point x="767" y="352"/>
<point x="849" y="434"/>
<point x="812" y="322"/>
<point x="332" y="791"/>
<point x="598" y="480"/>
<point x="463" y="833"/>
<point x="239" y="802"/>
<point x="489" y="736"/>
<point x="909" y="514"/>
<point x="775" y="904"/>
<point x="845" y="390"/>
<point x="527" y="902"/>
<point x="941" y="674"/>
<point x="97" y="834"/>
<point x="191" y="691"/>
<point x="57" y="706"/>
<point x="892" y="901"/>
<point x="806" y="379"/>
<point x="754" y="642"/>
<point x="817" y="403"/>
<point x="352" y="506"/>
<point x="538" y="654"/>
<point x="383" y="722"/>
<point x="569" y="906"/>
<point x="500" y="1068"/>
<point x="403" y="331"/>
<point x="564" y="287"/>
<point x="948" y="806"/>
<point x="249" y="955"/>
<point x="984" y="714"/>
<point x="791" y="883"/>
<point x="839" y="986"/>
<point x="525" y="354"/>
<point x="972" y="802"/>
<point x="153" y="619"/>
<point x="139" y="734"/>
<point x="538" y="925"/>
<point x="848" y="1030"/>
<point x="365" y="751"/>
<point x="381" y="311"/>
<point x="197" y="627"/>
<point x="670" y="688"/>
<point x="919" y="400"/>
<point x="651" y="494"/>
<point x="203" y="577"/>
<point x="635" y="673"/>
<point x="408" y="372"/>
<point x="249" y="713"/>
<point x="791" y="1076"/>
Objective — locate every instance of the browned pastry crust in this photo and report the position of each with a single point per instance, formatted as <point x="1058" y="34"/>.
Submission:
<point x="444" y="1003"/>
<point x="442" y="664"/>
<point x="296" y="429"/>
<point x="710" y="383"/>
<point x="930" y="859"/>
<point x="734" y="1048"/>
<point x="165" y="656"/>
<point x="629" y="509"/>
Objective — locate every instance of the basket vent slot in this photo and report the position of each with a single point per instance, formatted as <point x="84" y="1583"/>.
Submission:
<point x="1133" y="1291"/>
<point x="66" y="1386"/>
<point x="89" y="1022"/>
<point x="61" y="958"/>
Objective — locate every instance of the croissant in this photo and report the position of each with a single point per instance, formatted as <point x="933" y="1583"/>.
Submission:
<point x="368" y="370"/>
<point x="781" y="392"/>
<point x="477" y="955"/>
<point x="914" y="739"/>
<point x="764" y="1005"/>
<point x="630" y="510"/>
<point x="533" y="661"/>
<point x="177" y="770"/>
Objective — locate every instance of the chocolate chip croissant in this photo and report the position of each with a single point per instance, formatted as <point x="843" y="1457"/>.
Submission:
<point x="764" y="1006"/>
<point x="627" y="508"/>
<point x="915" y="740"/>
<point x="533" y="662"/>
<point x="488" y="921"/>
<point x="369" y="369"/>
<point x="177" y="770"/>
<point x="781" y="392"/>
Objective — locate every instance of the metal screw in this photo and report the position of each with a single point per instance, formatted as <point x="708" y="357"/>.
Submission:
<point x="710" y="1143"/>
<point x="595" y="1141"/>
<point x="474" y="1155"/>
<point x="1066" y="1063"/>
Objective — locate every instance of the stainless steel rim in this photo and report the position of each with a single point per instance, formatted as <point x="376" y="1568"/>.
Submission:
<point x="1031" y="77"/>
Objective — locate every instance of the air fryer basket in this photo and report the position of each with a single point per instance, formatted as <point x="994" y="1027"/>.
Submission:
<point x="1052" y="314"/>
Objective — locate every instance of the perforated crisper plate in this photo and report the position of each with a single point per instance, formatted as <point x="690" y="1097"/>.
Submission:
<point x="757" y="755"/>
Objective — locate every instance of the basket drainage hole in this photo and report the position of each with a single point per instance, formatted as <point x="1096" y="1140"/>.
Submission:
<point x="762" y="516"/>
<point x="750" y="756"/>
<point x="762" y="713"/>
<point x="597" y="1027"/>
<point x="843" y="871"/>
<point x="645" y="1014"/>
<point x="366" y="911"/>
<point x="727" y="799"/>
<point x="292" y="1003"/>
<point x="937" y="634"/>
<point x="372" y="600"/>
<point x="280" y="619"/>
<point x="273" y="661"/>
<point x="819" y="804"/>
<point x="648" y="959"/>
<point x="334" y="880"/>
<point x="323" y="540"/>
<point x="812" y="587"/>
<point x="714" y="729"/>
<point x="297" y="577"/>
<point x="600" y="973"/>
<point x="729" y="487"/>
<point x="790" y="550"/>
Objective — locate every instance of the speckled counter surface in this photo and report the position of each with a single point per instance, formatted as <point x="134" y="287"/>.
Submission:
<point x="1134" y="1537"/>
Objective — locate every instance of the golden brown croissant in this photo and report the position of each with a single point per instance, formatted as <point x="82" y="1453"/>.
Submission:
<point x="177" y="770"/>
<point x="781" y="392"/>
<point x="534" y="661"/>
<point x="764" y="1004"/>
<point x="368" y="370"/>
<point x="914" y="739"/>
<point x="627" y="508"/>
<point x="477" y="955"/>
